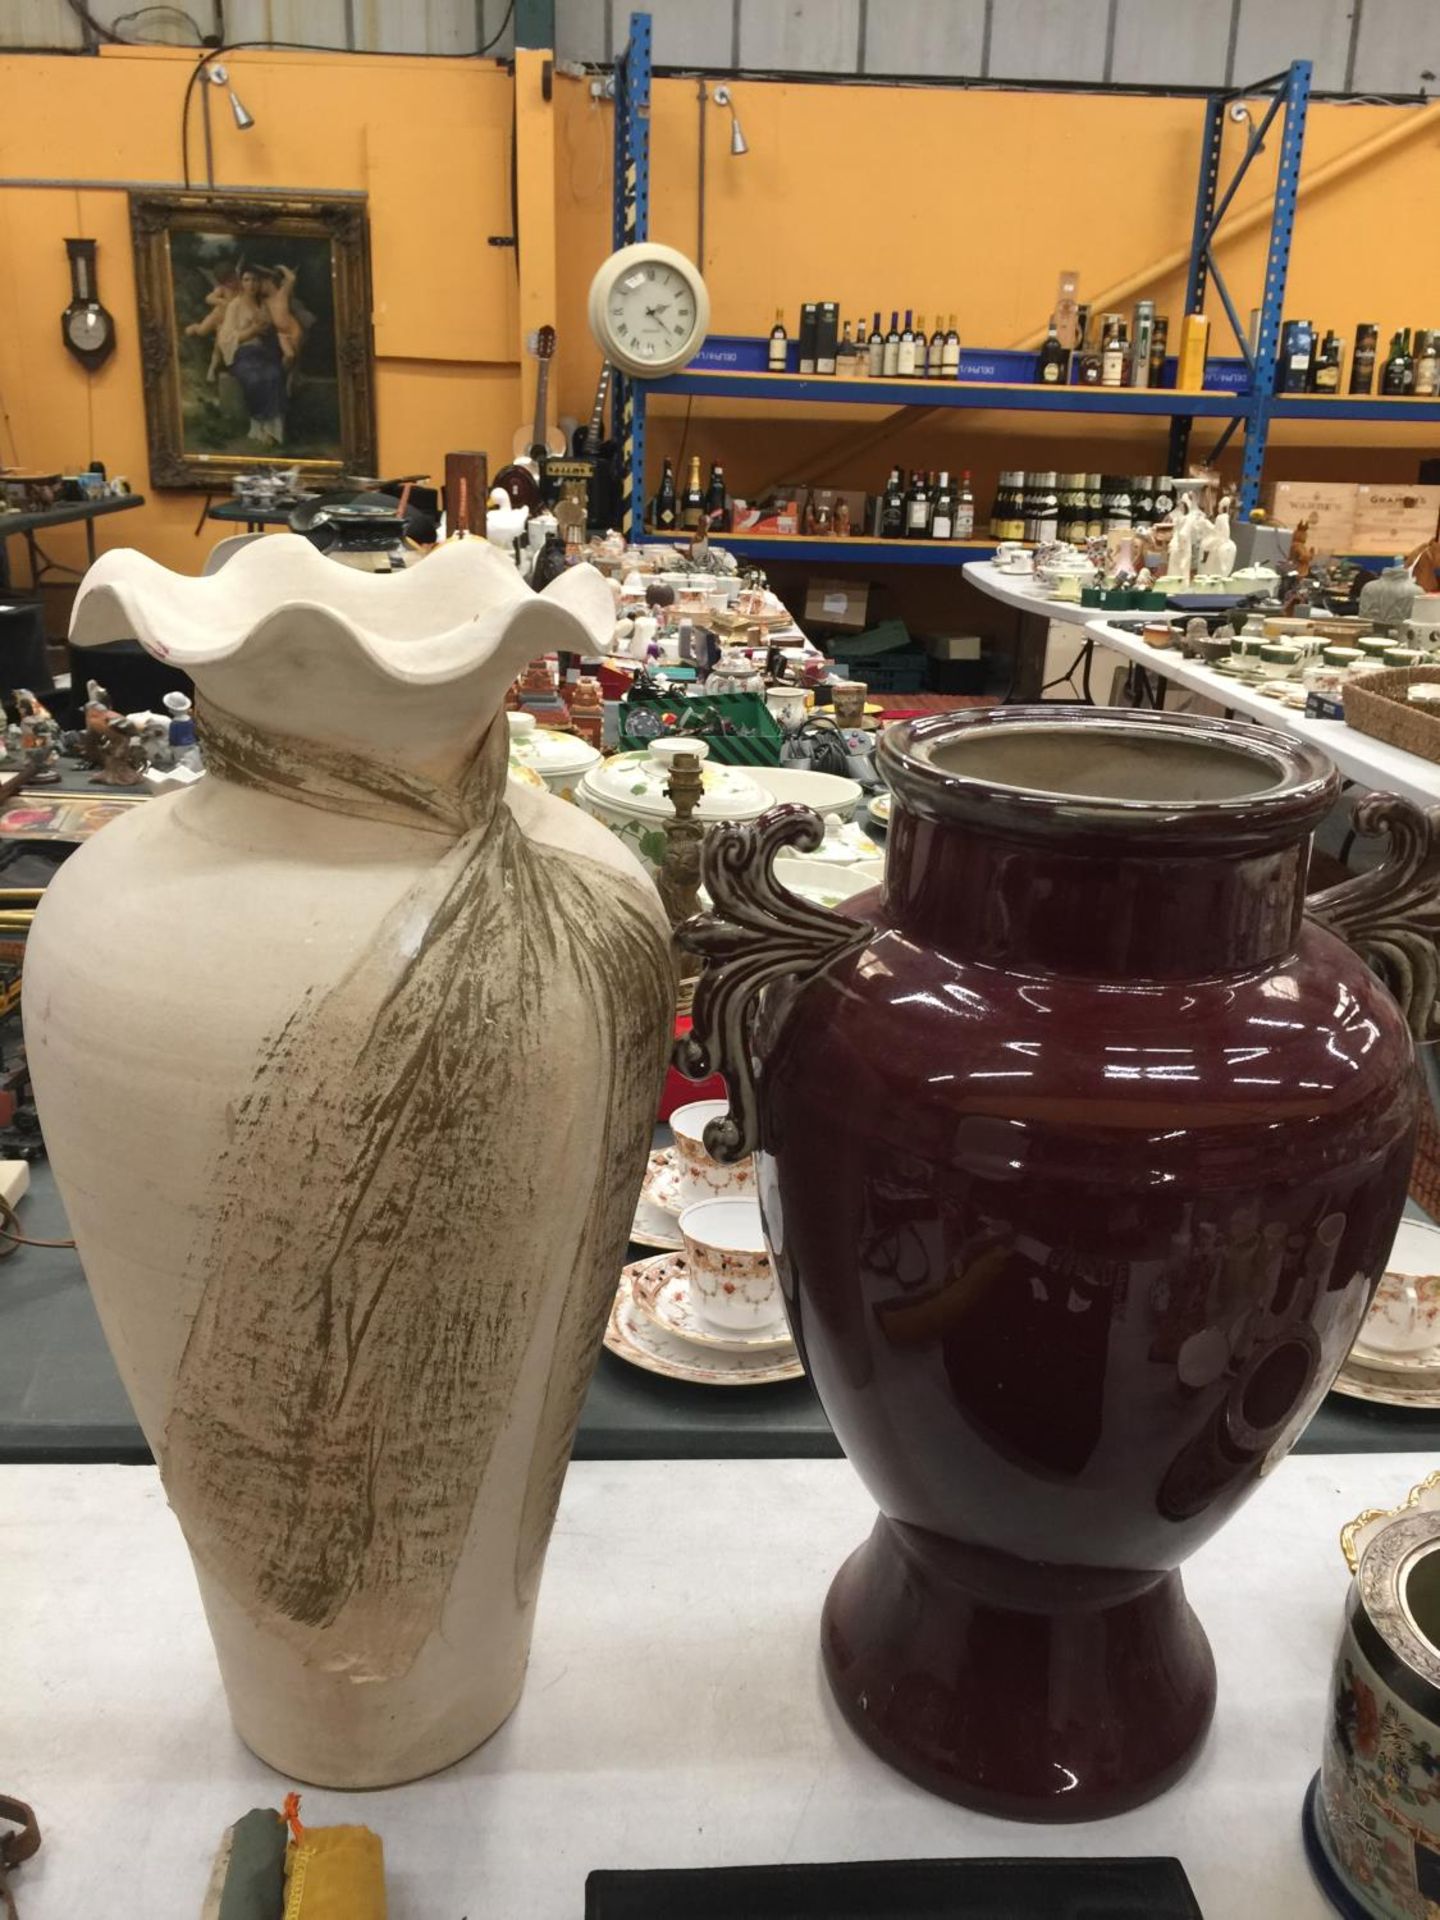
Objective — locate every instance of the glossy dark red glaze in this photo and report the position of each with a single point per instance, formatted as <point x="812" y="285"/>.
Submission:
<point x="1079" y="1176"/>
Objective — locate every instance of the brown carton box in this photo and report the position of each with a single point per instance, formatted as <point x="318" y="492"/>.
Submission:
<point x="1395" y="519"/>
<point x="1328" y="505"/>
<point x="840" y="604"/>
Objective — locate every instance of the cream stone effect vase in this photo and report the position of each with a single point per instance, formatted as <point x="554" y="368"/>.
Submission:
<point x="347" y="1059"/>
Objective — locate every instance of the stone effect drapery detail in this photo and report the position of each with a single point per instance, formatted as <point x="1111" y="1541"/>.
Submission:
<point x="381" y="1242"/>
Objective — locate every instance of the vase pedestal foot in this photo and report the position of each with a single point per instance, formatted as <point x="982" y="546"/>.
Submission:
<point x="1036" y="1693"/>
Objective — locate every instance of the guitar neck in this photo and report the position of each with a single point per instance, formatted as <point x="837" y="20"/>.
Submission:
<point x="542" y="401"/>
<point x="595" y="433"/>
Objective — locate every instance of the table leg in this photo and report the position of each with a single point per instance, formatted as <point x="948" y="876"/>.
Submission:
<point x="1032" y="631"/>
<point x="6" y="583"/>
<point x="90" y="541"/>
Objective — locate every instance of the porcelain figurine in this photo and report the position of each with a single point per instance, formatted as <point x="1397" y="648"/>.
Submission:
<point x="1387" y="600"/>
<point x="39" y="739"/>
<point x="1217" y="556"/>
<point x="1077" y="1205"/>
<point x="1180" y="564"/>
<point x="355" y="1262"/>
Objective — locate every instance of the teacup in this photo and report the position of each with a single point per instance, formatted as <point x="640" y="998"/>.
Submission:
<point x="701" y="1176"/>
<point x="1404" y="1316"/>
<point x="732" y="1280"/>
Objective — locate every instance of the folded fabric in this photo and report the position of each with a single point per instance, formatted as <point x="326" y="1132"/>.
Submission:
<point x="332" y="1873"/>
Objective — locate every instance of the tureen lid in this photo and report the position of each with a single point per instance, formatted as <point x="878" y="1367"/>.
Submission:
<point x="635" y="783"/>
<point x="546" y="750"/>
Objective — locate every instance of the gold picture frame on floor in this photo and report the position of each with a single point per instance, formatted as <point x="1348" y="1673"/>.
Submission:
<point x="254" y="314"/>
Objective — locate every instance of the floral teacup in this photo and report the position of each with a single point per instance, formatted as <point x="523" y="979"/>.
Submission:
<point x="701" y="1177"/>
<point x="732" y="1280"/>
<point x="1404" y="1316"/>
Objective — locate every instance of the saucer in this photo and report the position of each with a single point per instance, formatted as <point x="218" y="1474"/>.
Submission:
<point x="657" y="1216"/>
<point x="879" y="809"/>
<point x="1392" y="1380"/>
<point x="633" y="1337"/>
<point x="661" y="1289"/>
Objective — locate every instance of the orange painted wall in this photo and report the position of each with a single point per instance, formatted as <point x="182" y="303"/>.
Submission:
<point x="429" y="140"/>
<point x="869" y="194"/>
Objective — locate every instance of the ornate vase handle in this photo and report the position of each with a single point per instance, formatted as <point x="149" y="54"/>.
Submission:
<point x="1391" y="916"/>
<point x="757" y="933"/>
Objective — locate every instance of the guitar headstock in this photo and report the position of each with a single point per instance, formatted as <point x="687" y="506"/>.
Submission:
<point x="542" y="343"/>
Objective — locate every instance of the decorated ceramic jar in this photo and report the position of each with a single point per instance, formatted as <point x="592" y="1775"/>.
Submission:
<point x="1387" y="600"/>
<point x="1080" y="1151"/>
<point x="628" y="794"/>
<point x="1372" y="1816"/>
<point x="561" y="760"/>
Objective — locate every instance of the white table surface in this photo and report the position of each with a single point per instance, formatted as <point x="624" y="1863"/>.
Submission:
<point x="1373" y="763"/>
<point x="675" y="1712"/>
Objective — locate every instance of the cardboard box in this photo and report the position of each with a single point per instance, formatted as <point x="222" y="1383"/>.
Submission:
<point x="1328" y="505"/>
<point x="839" y="604"/>
<point x="809" y="319"/>
<point x="776" y="516"/>
<point x="1393" y="519"/>
<point x="827" y="334"/>
<point x="952" y="646"/>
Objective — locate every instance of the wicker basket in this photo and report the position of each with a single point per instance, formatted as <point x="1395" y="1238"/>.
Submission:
<point x="1376" y="703"/>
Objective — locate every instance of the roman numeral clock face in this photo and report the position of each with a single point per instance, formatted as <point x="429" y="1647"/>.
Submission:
<point x="649" y="310"/>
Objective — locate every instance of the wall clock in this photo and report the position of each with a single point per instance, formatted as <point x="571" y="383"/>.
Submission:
<point x="85" y="326"/>
<point x="649" y="310"/>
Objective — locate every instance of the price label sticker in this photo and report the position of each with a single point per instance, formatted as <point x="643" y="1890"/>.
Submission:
<point x="836" y="603"/>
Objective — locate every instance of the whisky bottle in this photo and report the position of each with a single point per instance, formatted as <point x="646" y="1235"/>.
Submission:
<point x="1089" y="352"/>
<point x="666" y="509"/>
<point x="1427" y="364"/>
<point x="1325" y="374"/>
<point x="1112" y="354"/>
<point x="942" y="514"/>
<point x="1052" y="361"/>
<point x="692" y="503"/>
<point x="877" y="350"/>
<point x="845" y="356"/>
<point x="892" y="508"/>
<point x="891" y="361"/>
<point x="1047" y="508"/>
<point x="717" y="500"/>
<point x="862" y="353"/>
<point x="950" y="356"/>
<point x="1362" y="360"/>
<point x="1159" y="340"/>
<point x="935" y="359"/>
<point x="1397" y="367"/>
<point x="778" y="343"/>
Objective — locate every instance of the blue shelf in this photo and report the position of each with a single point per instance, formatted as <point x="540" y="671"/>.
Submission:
<point x="983" y="395"/>
<point x="1319" y="406"/>
<point x="849" y="550"/>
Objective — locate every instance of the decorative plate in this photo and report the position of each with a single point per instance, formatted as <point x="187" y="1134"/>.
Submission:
<point x="632" y="1336"/>
<point x="879" y="809"/>
<point x="1395" y="1381"/>
<point x="661" y="1289"/>
<point x="657" y="1217"/>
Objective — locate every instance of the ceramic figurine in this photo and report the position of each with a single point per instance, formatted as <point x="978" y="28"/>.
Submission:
<point x="587" y="711"/>
<point x="39" y="740"/>
<point x="1217" y="555"/>
<point x="1386" y="601"/>
<point x="1066" y="1301"/>
<point x="183" y="741"/>
<point x="1181" y="560"/>
<point x="357" y="1278"/>
<point x="122" y="756"/>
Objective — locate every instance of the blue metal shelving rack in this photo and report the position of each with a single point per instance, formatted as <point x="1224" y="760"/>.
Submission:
<point x="1255" y="407"/>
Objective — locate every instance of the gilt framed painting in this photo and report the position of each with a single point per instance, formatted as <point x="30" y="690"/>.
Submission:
<point x="254" y="335"/>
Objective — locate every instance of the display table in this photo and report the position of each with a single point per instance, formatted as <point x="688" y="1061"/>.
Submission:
<point x="675" y="1714"/>
<point x="68" y="513"/>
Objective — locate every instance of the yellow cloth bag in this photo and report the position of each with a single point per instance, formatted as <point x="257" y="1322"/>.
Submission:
<point x="333" y="1873"/>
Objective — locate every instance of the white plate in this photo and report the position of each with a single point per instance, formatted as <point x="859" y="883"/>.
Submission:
<point x="634" y="1337"/>
<point x="661" y="1289"/>
<point x="879" y="809"/>
<point x="657" y="1216"/>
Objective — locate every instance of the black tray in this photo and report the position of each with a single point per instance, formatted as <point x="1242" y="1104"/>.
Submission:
<point x="1118" y="1889"/>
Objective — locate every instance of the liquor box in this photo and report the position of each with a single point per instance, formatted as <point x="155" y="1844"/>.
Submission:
<point x="782" y="516"/>
<point x="809" y="321"/>
<point x="1395" y="519"/>
<point x="1190" y="365"/>
<point x="1328" y="506"/>
<point x="827" y="335"/>
<point x="842" y="604"/>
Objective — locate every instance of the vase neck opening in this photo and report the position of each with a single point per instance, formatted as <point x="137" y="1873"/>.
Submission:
<point x="1094" y="842"/>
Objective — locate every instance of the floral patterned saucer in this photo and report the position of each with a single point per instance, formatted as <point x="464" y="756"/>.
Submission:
<point x="657" y="1217"/>
<point x="1392" y="1379"/>
<point x="661" y="1289"/>
<point x="879" y="809"/>
<point x="634" y="1337"/>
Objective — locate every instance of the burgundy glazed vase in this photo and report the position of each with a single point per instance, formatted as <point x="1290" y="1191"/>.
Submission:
<point x="1080" y="1159"/>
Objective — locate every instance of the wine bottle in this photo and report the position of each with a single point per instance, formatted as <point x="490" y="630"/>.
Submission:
<point x="877" y="350"/>
<point x="692" y="503"/>
<point x="935" y="359"/>
<point x="845" y="356"/>
<point x="1325" y="374"/>
<point x="1112" y="354"/>
<point x="717" y="500"/>
<point x="1159" y="340"/>
<point x="1409" y="362"/>
<point x="862" y="352"/>
<point x="964" y="526"/>
<point x="917" y="507"/>
<point x="1029" y="504"/>
<point x="1142" y="500"/>
<point x="905" y="359"/>
<point x="892" y="508"/>
<point x="666" y="511"/>
<point x="950" y="355"/>
<point x="1094" y="505"/>
<point x="1089" y="351"/>
<point x="1396" y="369"/>
<point x="778" y="343"/>
<point x="1052" y="361"/>
<point x="891" y="361"/>
<point x="1362" y="360"/>
<point x="1118" y="505"/>
<point x="942" y="514"/>
<point x="1427" y="364"/>
<point x="1047" y="508"/>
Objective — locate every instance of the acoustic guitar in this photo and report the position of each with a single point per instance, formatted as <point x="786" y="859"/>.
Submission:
<point x="524" y="481"/>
